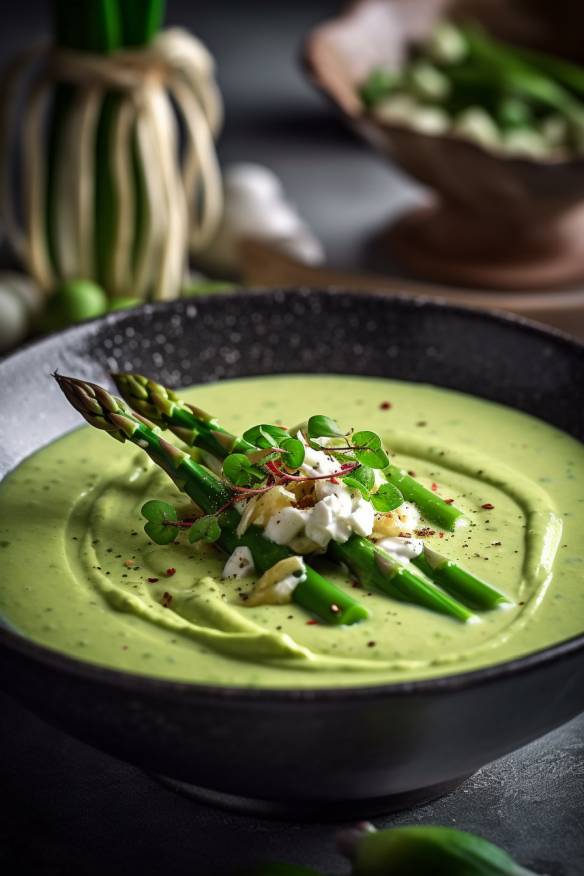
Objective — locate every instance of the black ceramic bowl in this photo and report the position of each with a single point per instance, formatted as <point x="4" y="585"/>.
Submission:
<point x="329" y="751"/>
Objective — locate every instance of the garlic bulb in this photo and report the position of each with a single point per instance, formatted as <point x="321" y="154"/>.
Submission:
<point x="255" y="207"/>
<point x="20" y="301"/>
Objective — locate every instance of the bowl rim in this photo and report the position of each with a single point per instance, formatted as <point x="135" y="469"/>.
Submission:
<point x="10" y="640"/>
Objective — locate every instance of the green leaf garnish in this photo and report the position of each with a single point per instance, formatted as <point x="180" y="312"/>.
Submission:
<point x="241" y="471"/>
<point x="320" y="426"/>
<point x="365" y="475"/>
<point x="387" y="498"/>
<point x="353" y="484"/>
<point x="262" y="456"/>
<point x="160" y="516"/>
<point x="205" y="529"/>
<point x="369" y="452"/>
<point x="265" y="435"/>
<point x="366" y="440"/>
<point x="293" y="455"/>
<point x="362" y="479"/>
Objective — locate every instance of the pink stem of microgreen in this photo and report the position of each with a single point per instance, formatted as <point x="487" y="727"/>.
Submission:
<point x="181" y="524"/>
<point x="284" y="477"/>
<point x="278" y="477"/>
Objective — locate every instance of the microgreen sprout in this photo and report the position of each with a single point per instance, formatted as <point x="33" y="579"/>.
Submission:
<point x="264" y="435"/>
<point x="362" y="479"/>
<point x="293" y="452"/>
<point x="241" y="471"/>
<point x="205" y="529"/>
<point x="320" y="426"/>
<point x="161" y="527"/>
<point x="279" y="456"/>
<point x="387" y="498"/>
<point x="276" y="459"/>
<point x="368" y="449"/>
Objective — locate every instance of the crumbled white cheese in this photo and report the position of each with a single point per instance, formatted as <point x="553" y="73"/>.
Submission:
<point x="362" y="516"/>
<point x="402" y="549"/>
<point x="278" y="583"/>
<point x="285" y="525"/>
<point x="284" y="589"/>
<point x="408" y="515"/>
<point x="328" y="521"/>
<point x="317" y="462"/>
<point x="259" y="509"/>
<point x="337" y="513"/>
<point x="240" y="564"/>
<point x="404" y="519"/>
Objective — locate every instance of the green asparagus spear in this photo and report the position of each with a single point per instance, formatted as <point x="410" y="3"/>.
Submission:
<point x="165" y="408"/>
<point x="458" y="581"/>
<point x="374" y="569"/>
<point x="432" y="506"/>
<point x="107" y="412"/>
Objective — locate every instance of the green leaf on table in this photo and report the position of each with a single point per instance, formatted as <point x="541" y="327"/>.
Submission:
<point x="425" y="850"/>
<point x="205" y="529"/>
<point x="293" y="455"/>
<point x="369" y="452"/>
<point x="160" y="516"/>
<point x="264" y="435"/>
<point x="241" y="471"/>
<point x="387" y="498"/>
<point x="320" y="426"/>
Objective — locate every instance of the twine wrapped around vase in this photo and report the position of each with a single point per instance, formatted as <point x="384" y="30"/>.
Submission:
<point x="166" y="183"/>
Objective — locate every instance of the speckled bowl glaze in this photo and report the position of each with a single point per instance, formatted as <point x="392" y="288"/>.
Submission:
<point x="383" y="747"/>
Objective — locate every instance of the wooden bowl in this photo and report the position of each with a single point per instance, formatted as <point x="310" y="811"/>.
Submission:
<point x="493" y="221"/>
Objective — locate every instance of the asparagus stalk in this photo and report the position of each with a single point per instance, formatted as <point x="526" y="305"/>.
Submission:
<point x="164" y="407"/>
<point x="197" y="428"/>
<point x="107" y="412"/>
<point x="373" y="569"/>
<point x="376" y="569"/>
<point x="459" y="582"/>
<point x="432" y="506"/>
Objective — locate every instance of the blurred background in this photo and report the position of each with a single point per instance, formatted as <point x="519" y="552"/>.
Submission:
<point x="272" y="113"/>
<point x="331" y="171"/>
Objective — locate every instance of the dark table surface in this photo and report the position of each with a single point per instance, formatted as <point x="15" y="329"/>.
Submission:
<point x="71" y="810"/>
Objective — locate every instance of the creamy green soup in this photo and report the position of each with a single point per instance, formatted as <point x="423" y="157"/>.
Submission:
<point x="80" y="575"/>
